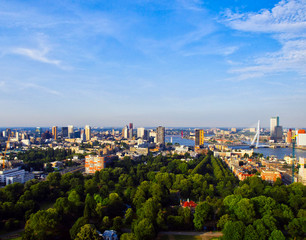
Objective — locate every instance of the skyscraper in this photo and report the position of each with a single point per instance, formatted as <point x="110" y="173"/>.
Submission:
<point x="140" y="132"/>
<point x="88" y="132"/>
<point x="199" y="137"/>
<point x="276" y="131"/>
<point x="160" y="135"/>
<point x="70" y="131"/>
<point x="125" y="132"/>
<point x="54" y="132"/>
<point x="274" y="121"/>
<point x="131" y="131"/>
<point x="64" y="131"/>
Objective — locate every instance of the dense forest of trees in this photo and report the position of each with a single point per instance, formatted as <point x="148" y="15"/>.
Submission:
<point x="144" y="196"/>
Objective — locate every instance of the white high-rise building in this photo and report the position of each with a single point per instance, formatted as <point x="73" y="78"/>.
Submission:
<point x="125" y="132"/>
<point x="70" y="131"/>
<point x="274" y="122"/>
<point x="276" y="131"/>
<point x="140" y="132"/>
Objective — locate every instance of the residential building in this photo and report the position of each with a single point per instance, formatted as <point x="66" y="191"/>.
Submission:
<point x="270" y="176"/>
<point x="93" y="164"/>
<point x="301" y="138"/>
<point x="199" y="138"/>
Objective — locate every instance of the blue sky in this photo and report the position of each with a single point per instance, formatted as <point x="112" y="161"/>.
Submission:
<point x="172" y="63"/>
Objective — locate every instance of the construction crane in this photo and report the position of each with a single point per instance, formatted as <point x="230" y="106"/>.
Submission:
<point x="293" y="156"/>
<point x="6" y="147"/>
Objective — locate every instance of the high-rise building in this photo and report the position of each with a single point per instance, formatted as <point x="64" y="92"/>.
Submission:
<point x="276" y="131"/>
<point x="88" y="132"/>
<point x="274" y="121"/>
<point x="125" y="132"/>
<point x="289" y="136"/>
<point x="160" y="135"/>
<point x="54" y="132"/>
<point x="301" y="138"/>
<point x="140" y="132"/>
<point x="131" y="130"/>
<point x="70" y="131"/>
<point x="64" y="131"/>
<point x="199" y="137"/>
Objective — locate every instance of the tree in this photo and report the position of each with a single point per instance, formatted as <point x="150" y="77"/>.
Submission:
<point x="117" y="223"/>
<point x="233" y="230"/>
<point x="42" y="225"/>
<point x="297" y="227"/>
<point x="224" y="219"/>
<point x="250" y="233"/>
<point x="277" y="235"/>
<point x="77" y="227"/>
<point x="245" y="210"/>
<point x="127" y="236"/>
<point x="144" y="230"/>
<point x="202" y="214"/>
<point x="88" y="232"/>
<point x="128" y="217"/>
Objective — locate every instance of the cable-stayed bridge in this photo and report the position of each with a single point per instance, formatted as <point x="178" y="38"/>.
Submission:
<point x="255" y="141"/>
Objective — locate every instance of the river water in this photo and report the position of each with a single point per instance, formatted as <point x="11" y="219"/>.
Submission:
<point x="278" y="152"/>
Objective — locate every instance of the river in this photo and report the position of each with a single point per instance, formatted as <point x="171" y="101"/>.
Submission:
<point x="278" y="152"/>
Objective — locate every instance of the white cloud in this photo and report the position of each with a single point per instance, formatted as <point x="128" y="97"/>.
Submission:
<point x="36" y="54"/>
<point x="286" y="23"/>
<point x="286" y="16"/>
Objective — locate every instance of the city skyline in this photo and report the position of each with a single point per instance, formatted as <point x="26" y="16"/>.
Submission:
<point x="175" y="63"/>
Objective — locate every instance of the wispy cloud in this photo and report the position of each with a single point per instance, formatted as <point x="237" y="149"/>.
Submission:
<point x="286" y="23"/>
<point x="41" y="88"/>
<point x="36" y="54"/>
<point x="194" y="5"/>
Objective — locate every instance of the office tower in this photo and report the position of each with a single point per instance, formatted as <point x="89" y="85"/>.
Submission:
<point x="54" y="132"/>
<point x="125" y="132"/>
<point x="131" y="130"/>
<point x="77" y="134"/>
<point x="199" y="137"/>
<point x="160" y="135"/>
<point x="88" y="132"/>
<point x="83" y="136"/>
<point x="64" y="132"/>
<point x="274" y="121"/>
<point x="70" y="131"/>
<point x="276" y="131"/>
<point x="140" y="132"/>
